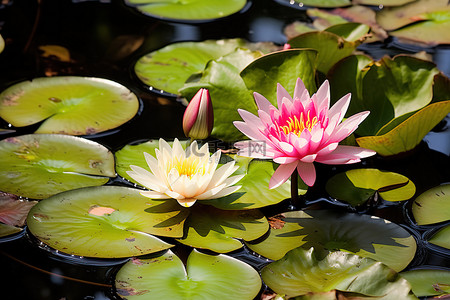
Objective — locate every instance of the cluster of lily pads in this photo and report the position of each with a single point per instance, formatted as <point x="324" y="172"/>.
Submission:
<point x="85" y="203"/>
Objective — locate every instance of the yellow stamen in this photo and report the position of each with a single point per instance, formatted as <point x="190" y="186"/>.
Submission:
<point x="189" y="166"/>
<point x="297" y="125"/>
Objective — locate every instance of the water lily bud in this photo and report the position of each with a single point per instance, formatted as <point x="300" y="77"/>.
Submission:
<point x="198" y="119"/>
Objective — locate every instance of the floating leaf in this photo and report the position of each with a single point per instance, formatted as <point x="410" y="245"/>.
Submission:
<point x="6" y="230"/>
<point x="382" y="2"/>
<point x="14" y="211"/>
<point x="330" y="230"/>
<point x="221" y="230"/>
<point x="68" y="104"/>
<point x="205" y="277"/>
<point x="2" y="44"/>
<point x="254" y="191"/>
<point x="351" y="32"/>
<point x="188" y="10"/>
<point x="300" y="272"/>
<point x="168" y="68"/>
<point x="442" y="237"/>
<point x="408" y="134"/>
<point x="432" y="206"/>
<point x="428" y="282"/>
<point x="330" y="47"/>
<point x="395" y="17"/>
<point x="60" y="52"/>
<point x="319" y="3"/>
<point x="40" y="165"/>
<point x="356" y="186"/>
<point x="106" y="222"/>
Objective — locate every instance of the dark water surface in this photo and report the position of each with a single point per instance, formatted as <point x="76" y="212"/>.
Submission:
<point x="92" y="31"/>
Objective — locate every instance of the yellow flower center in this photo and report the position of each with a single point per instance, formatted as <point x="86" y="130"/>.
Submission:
<point x="189" y="166"/>
<point x="297" y="125"/>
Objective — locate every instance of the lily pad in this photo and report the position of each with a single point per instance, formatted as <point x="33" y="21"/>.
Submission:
<point x="2" y="44"/>
<point x="6" y="230"/>
<point x="395" y="17"/>
<point x="300" y="272"/>
<point x="40" y="165"/>
<point x="106" y="222"/>
<point x="68" y="104"/>
<point x="331" y="230"/>
<point x="254" y="191"/>
<point x="205" y="277"/>
<point x="330" y="47"/>
<point x="351" y="32"/>
<point x="356" y="186"/>
<point x="408" y="133"/>
<point x="432" y="206"/>
<point x="428" y="282"/>
<point x="382" y="2"/>
<point x="441" y="238"/>
<point x="318" y="3"/>
<point x="188" y="10"/>
<point x="168" y="68"/>
<point x="14" y="211"/>
<point x="221" y="230"/>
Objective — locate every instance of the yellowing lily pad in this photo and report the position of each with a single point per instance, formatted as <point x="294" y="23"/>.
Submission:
<point x="222" y="230"/>
<point x="330" y="231"/>
<point x="205" y="277"/>
<point x="432" y="206"/>
<point x="428" y="282"/>
<point x="68" y="104"/>
<point x="356" y="186"/>
<point x="300" y="272"/>
<point x="105" y="222"/>
<point x="40" y="165"/>
<point x="317" y="3"/>
<point x="188" y="10"/>
<point x="441" y="238"/>
<point x="6" y="230"/>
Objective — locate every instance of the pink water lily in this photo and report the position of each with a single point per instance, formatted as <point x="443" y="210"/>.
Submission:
<point x="301" y="131"/>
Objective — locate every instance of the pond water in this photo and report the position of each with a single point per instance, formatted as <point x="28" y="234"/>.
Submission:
<point x="88" y="29"/>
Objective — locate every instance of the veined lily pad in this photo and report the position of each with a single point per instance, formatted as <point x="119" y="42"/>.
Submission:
<point x="406" y="134"/>
<point x="330" y="230"/>
<point x="221" y="230"/>
<point x="396" y="17"/>
<point x="254" y="191"/>
<point x="351" y="32"/>
<point x="205" y="277"/>
<point x="428" y="282"/>
<point x="300" y="272"/>
<point x="40" y="165"/>
<point x="382" y="2"/>
<point x="441" y="238"/>
<point x="318" y="3"/>
<point x="188" y="10"/>
<point x="106" y="222"/>
<point x="356" y="186"/>
<point x="330" y="47"/>
<point x="432" y="206"/>
<point x="68" y="104"/>
<point x="167" y="69"/>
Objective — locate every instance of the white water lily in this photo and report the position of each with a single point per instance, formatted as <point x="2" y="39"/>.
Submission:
<point x="185" y="175"/>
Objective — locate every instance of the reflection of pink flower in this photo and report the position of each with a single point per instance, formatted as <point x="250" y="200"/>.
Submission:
<point x="302" y="130"/>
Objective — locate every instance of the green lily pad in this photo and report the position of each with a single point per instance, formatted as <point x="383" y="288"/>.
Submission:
<point x="168" y="68"/>
<point x="106" y="222"/>
<point x="428" y="282"/>
<point x="300" y="272"/>
<point x="408" y="133"/>
<point x="395" y="17"/>
<point x="442" y="237"/>
<point x="320" y="3"/>
<point x="330" y="47"/>
<point x="255" y="192"/>
<point x="6" y="230"/>
<point x="330" y="230"/>
<point x="432" y="206"/>
<point x="40" y="165"/>
<point x="68" y="104"/>
<point x="205" y="277"/>
<point x="356" y="186"/>
<point x="188" y="10"/>
<point x="351" y="32"/>
<point x="221" y="230"/>
<point x="2" y="44"/>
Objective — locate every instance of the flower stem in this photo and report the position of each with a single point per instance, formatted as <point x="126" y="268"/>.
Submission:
<point x="294" y="189"/>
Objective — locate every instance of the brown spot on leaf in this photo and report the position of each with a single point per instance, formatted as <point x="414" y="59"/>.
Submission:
<point x="130" y="239"/>
<point x="94" y="163"/>
<point x="54" y="99"/>
<point x="91" y="130"/>
<point x="100" y="210"/>
<point x="131" y="292"/>
<point x="277" y="221"/>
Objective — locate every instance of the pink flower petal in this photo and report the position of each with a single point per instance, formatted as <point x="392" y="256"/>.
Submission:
<point x="323" y="96"/>
<point x="299" y="89"/>
<point x="249" y="131"/>
<point x="262" y="102"/>
<point x="281" y="174"/>
<point x="345" y="155"/>
<point x="250" y="118"/>
<point x="348" y="126"/>
<point x="307" y="173"/>
<point x="285" y="160"/>
<point x="282" y="93"/>
<point x="340" y="108"/>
